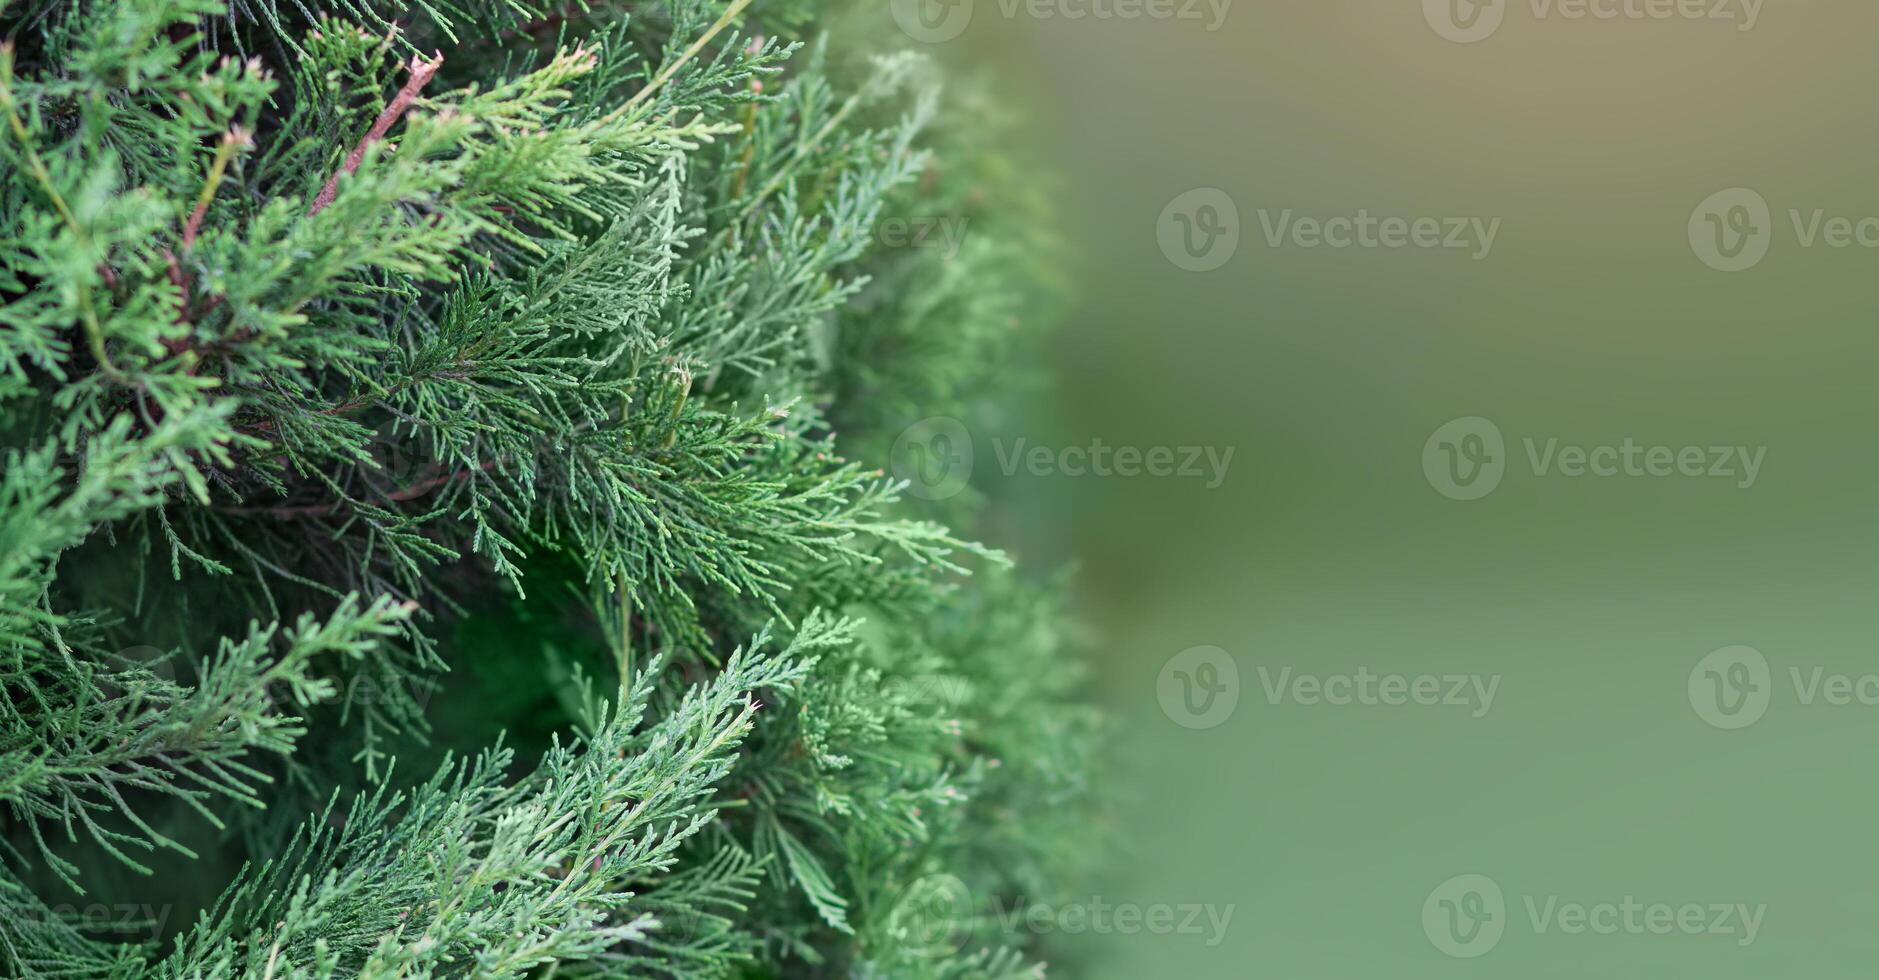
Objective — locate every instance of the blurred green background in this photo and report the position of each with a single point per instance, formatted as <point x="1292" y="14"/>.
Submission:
<point x="1593" y="777"/>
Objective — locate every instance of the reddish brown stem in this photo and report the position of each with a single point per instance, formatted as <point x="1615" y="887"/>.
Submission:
<point x="194" y="226"/>
<point x="176" y="269"/>
<point x="421" y="72"/>
<point x="176" y="345"/>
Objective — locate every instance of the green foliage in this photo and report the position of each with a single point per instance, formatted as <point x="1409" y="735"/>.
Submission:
<point x="381" y="385"/>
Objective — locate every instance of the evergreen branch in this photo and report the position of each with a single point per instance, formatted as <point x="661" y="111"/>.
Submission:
<point x="672" y="68"/>
<point x="503" y="878"/>
<point x="421" y="71"/>
<point x="159" y="737"/>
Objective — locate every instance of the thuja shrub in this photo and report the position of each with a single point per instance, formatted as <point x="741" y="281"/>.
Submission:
<point x="444" y="519"/>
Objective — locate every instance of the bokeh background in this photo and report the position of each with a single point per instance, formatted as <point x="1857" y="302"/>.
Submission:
<point x="1593" y="777"/>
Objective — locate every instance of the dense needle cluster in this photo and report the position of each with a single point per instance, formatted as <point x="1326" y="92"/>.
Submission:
<point x="426" y="548"/>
